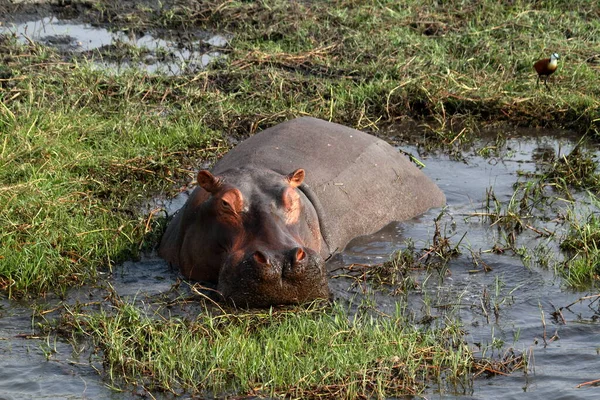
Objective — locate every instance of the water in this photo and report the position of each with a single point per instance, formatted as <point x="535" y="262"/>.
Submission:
<point x="166" y="55"/>
<point x="26" y="373"/>
<point x="527" y="296"/>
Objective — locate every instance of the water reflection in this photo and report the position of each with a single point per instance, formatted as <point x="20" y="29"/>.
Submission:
<point x="161" y="55"/>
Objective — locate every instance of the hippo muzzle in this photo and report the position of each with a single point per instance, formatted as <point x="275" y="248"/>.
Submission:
<point x="266" y="277"/>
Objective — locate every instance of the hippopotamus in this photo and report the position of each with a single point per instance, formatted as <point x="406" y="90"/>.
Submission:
<point x="262" y="222"/>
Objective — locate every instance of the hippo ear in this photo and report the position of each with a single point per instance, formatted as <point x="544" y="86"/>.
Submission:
<point x="296" y="178"/>
<point x="208" y="181"/>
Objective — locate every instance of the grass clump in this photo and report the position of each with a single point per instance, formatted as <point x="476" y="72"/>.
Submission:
<point x="310" y="352"/>
<point x="582" y="244"/>
<point x="397" y="272"/>
<point x="524" y="207"/>
<point x="577" y="170"/>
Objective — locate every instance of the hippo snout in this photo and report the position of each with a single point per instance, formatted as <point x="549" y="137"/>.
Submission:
<point x="266" y="277"/>
<point x="290" y="264"/>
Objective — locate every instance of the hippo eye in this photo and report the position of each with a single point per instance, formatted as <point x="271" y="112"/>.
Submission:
<point x="231" y="202"/>
<point x="221" y="248"/>
<point x="287" y="200"/>
<point x="227" y="207"/>
<point x="290" y="199"/>
<point x="291" y="204"/>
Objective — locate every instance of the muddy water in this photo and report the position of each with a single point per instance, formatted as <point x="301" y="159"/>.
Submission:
<point x="36" y="367"/>
<point x="526" y="296"/>
<point x="165" y="55"/>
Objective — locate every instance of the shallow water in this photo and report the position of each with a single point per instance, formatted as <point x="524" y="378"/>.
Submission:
<point x="165" y="54"/>
<point x="527" y="296"/>
<point x="26" y="373"/>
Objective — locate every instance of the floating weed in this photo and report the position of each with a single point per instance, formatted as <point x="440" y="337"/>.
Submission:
<point x="478" y="263"/>
<point x="577" y="170"/>
<point x="510" y="361"/>
<point x="583" y="270"/>
<point x="441" y="245"/>
<point x="509" y="218"/>
<point x="516" y="215"/>
<point x="493" y="300"/>
<point x="397" y="273"/>
<point x="583" y="235"/>
<point x="592" y="302"/>
<point x="496" y="149"/>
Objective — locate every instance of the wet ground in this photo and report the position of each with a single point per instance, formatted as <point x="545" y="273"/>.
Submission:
<point x="118" y="50"/>
<point x="562" y="354"/>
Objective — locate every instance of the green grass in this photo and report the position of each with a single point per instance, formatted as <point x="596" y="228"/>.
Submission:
<point x="582" y="245"/>
<point x="576" y="170"/>
<point x="364" y="62"/>
<point x="304" y="352"/>
<point x="76" y="170"/>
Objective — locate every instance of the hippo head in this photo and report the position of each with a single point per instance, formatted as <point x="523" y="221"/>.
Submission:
<point x="258" y="234"/>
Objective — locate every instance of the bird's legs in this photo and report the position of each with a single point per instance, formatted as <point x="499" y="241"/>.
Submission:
<point x="546" y="84"/>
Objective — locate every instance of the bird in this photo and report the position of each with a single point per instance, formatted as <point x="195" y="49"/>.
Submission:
<point x="546" y="67"/>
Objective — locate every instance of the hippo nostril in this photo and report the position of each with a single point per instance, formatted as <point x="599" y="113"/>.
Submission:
<point x="261" y="258"/>
<point x="300" y="254"/>
<point x="296" y="263"/>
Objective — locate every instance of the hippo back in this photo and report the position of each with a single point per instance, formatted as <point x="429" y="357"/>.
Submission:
<point x="362" y="182"/>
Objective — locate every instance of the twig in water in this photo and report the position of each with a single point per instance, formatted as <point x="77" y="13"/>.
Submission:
<point x="595" y="296"/>
<point x="593" y="383"/>
<point x="544" y="325"/>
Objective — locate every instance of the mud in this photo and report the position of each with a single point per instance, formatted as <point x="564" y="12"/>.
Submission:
<point x="113" y="47"/>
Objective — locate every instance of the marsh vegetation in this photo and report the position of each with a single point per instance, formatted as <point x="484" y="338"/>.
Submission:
<point x="84" y="153"/>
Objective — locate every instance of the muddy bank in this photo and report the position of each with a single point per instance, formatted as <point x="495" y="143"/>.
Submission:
<point x="82" y="35"/>
<point x="90" y="11"/>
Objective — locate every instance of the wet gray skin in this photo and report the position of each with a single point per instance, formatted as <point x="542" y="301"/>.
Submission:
<point x="526" y="296"/>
